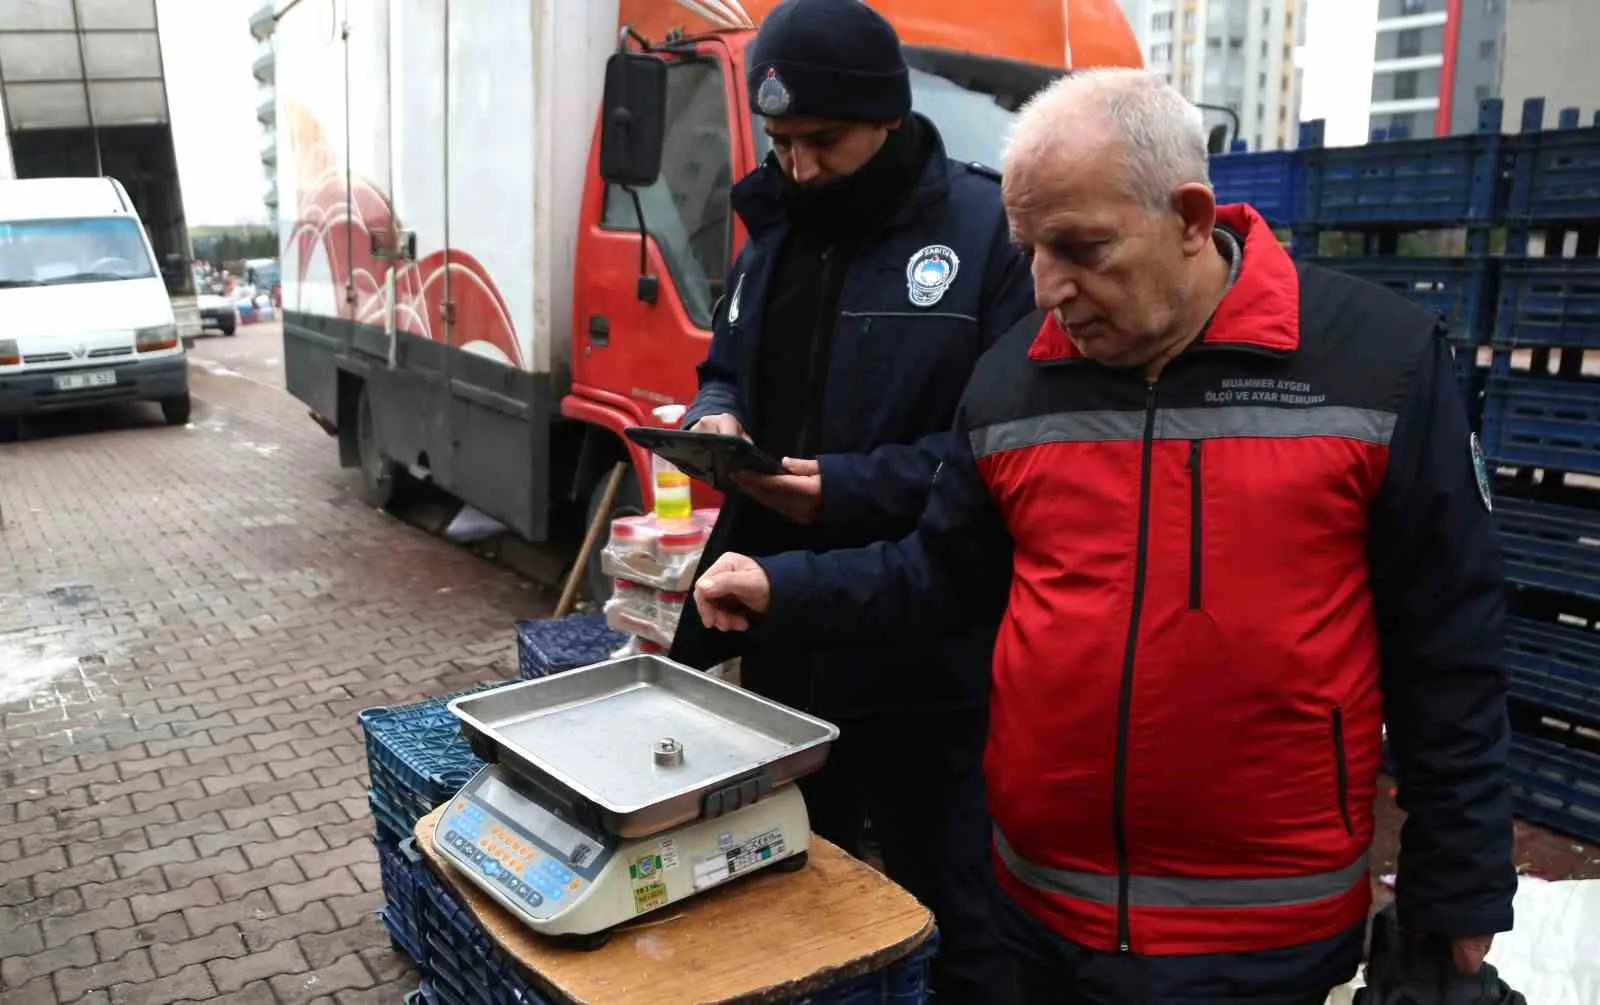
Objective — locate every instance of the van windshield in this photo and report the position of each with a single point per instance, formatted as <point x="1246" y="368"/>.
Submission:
<point x="62" y="252"/>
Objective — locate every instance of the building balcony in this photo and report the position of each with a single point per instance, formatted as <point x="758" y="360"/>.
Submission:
<point x="267" y="111"/>
<point x="261" y="22"/>
<point x="1402" y="106"/>
<point x="264" y="66"/>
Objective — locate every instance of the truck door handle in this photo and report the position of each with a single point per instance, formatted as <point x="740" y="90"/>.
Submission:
<point x="599" y="330"/>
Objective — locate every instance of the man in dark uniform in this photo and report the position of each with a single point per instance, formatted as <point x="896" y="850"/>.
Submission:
<point x="876" y="273"/>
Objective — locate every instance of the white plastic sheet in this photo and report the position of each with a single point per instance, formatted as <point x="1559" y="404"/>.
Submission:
<point x="1553" y="954"/>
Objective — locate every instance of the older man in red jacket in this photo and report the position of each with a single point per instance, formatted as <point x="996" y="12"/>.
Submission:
<point x="1231" y="517"/>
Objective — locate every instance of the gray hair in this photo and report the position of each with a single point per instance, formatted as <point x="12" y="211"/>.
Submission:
<point x="1162" y="134"/>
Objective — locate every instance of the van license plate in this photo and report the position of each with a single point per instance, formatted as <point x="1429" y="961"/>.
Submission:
<point x="79" y="381"/>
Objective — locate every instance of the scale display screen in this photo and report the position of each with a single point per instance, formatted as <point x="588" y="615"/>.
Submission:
<point x="577" y="847"/>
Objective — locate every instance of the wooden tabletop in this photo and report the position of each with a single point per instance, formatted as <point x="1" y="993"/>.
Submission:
<point x="762" y="938"/>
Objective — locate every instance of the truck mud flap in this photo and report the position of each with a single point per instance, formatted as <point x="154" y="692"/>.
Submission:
<point x="312" y="347"/>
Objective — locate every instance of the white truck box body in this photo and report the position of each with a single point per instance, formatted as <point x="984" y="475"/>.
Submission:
<point x="473" y="135"/>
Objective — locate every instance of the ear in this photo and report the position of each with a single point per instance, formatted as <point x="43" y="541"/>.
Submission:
<point x="894" y="124"/>
<point x="1196" y="207"/>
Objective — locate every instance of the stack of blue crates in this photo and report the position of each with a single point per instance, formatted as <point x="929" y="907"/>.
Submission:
<point x="416" y="760"/>
<point x="1534" y="315"/>
<point x="1395" y="187"/>
<point x="1541" y="425"/>
<point x="556" y="644"/>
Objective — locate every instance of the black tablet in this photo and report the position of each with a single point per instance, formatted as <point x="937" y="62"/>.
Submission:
<point x="711" y="457"/>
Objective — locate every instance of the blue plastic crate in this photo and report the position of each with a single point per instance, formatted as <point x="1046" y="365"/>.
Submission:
<point x="416" y="755"/>
<point x="1542" y="421"/>
<point x="1556" y="786"/>
<point x="1555" y="666"/>
<point x="1549" y="302"/>
<point x="392" y="824"/>
<point x="398" y="867"/>
<point x="403" y="938"/>
<point x="1446" y="181"/>
<point x="1550" y="547"/>
<point x="465" y="963"/>
<point x="555" y="644"/>
<point x="403" y="806"/>
<point x="1270" y="181"/>
<point x="1555" y="175"/>
<point x="1460" y="290"/>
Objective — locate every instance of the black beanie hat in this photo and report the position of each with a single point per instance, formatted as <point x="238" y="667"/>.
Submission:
<point x="828" y="59"/>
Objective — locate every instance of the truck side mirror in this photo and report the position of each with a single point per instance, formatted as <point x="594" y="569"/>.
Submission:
<point x="633" y="119"/>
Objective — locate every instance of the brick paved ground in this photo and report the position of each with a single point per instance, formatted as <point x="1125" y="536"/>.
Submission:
<point x="189" y="621"/>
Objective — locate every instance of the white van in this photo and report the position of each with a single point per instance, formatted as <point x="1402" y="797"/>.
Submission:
<point x="84" y="314"/>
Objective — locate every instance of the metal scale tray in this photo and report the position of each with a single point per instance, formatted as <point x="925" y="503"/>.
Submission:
<point x="586" y="742"/>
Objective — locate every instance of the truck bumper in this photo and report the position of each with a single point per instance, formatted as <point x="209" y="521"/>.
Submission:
<point x="137" y="380"/>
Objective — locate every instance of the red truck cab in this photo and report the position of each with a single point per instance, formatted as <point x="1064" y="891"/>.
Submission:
<point x="632" y="353"/>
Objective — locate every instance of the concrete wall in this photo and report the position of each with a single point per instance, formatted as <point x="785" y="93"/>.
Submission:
<point x="1479" y="50"/>
<point x="1550" y="54"/>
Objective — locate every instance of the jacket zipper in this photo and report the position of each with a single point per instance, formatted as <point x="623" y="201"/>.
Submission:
<point x="1125" y="700"/>
<point x="1195" y="525"/>
<point x="1344" y="773"/>
<point x="804" y="439"/>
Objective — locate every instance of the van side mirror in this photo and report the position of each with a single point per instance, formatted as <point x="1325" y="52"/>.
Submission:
<point x="633" y="119"/>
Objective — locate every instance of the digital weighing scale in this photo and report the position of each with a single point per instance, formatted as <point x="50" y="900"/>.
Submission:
<point x="617" y="789"/>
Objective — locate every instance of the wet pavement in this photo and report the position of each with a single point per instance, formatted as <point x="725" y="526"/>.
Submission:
<point x="190" y="619"/>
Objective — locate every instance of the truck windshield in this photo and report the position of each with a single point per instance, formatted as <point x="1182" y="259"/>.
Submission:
<point x="61" y="252"/>
<point x="972" y="124"/>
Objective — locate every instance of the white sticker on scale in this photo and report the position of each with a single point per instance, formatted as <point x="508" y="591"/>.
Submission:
<point x="738" y="859"/>
<point x="669" y="853"/>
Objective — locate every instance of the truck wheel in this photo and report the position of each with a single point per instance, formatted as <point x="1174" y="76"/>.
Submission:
<point x="383" y="482"/>
<point x="629" y="502"/>
<point x="10" y="429"/>
<point x="176" y="410"/>
<point x="228" y="326"/>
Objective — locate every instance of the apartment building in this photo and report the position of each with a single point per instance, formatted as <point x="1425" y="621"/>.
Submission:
<point x="1434" y="62"/>
<point x="1548" y="54"/>
<point x="261" y="25"/>
<point x="1233" y="57"/>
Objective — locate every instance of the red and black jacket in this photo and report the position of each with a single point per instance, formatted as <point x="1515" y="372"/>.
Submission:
<point x="1212" y="591"/>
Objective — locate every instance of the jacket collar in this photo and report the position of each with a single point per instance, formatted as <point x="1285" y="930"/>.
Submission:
<point x="1260" y="311"/>
<point x="755" y="196"/>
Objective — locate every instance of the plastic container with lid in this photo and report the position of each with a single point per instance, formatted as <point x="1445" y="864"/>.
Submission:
<point x="681" y="544"/>
<point x="633" y="535"/>
<point x="669" y="607"/>
<point x="634" y="598"/>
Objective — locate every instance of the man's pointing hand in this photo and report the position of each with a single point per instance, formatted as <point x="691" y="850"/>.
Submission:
<point x="731" y="592"/>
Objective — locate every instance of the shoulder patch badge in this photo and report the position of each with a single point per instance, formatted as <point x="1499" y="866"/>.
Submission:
<point x="1480" y="470"/>
<point x="733" y="304"/>
<point x="930" y="273"/>
<point x="980" y="168"/>
<point x="773" y="96"/>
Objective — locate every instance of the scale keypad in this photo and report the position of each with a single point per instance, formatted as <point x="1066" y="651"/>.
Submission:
<point x="509" y="858"/>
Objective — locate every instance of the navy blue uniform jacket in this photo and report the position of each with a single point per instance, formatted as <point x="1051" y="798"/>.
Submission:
<point x="896" y="372"/>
